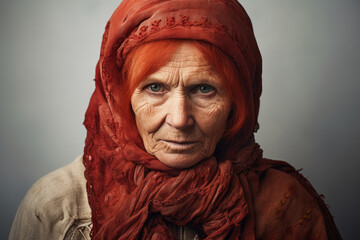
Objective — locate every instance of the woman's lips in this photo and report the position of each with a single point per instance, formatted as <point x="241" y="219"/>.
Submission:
<point x="180" y="145"/>
<point x="179" y="142"/>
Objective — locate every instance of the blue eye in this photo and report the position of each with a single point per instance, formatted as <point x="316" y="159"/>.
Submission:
<point x="205" y="89"/>
<point x="155" y="87"/>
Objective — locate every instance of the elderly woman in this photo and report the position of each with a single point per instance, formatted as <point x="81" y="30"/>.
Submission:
<point x="170" y="150"/>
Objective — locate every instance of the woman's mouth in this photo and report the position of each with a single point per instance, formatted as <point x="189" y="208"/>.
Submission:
<point x="180" y="145"/>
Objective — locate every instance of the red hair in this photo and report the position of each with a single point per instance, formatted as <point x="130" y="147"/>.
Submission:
<point x="150" y="57"/>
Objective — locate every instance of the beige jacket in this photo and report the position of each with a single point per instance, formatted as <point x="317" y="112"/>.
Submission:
<point x="56" y="207"/>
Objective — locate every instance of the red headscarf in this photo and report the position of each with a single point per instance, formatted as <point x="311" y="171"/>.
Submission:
<point x="132" y="195"/>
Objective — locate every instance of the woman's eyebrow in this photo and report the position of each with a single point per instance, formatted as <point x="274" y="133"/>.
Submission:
<point x="150" y="80"/>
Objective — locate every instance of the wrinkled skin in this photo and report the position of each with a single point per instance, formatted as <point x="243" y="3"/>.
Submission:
<point x="181" y="110"/>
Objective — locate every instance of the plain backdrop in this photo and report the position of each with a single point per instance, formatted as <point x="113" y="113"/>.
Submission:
<point x="309" y="108"/>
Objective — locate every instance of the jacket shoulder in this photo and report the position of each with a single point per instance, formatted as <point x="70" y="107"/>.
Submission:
<point x="53" y="204"/>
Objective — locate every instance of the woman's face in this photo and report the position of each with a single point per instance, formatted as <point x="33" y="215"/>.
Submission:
<point x="181" y="110"/>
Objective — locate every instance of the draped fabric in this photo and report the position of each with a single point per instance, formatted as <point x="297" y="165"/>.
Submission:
<point x="132" y="195"/>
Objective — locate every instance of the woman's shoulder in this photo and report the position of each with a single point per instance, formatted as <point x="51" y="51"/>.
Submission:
<point x="53" y="205"/>
<point x="64" y="188"/>
<point x="286" y="204"/>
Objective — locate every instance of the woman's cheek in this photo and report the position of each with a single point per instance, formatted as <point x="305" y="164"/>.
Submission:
<point x="212" y="119"/>
<point x="149" y="118"/>
<point x="214" y="111"/>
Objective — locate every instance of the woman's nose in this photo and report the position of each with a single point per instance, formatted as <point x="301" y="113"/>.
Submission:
<point x="179" y="112"/>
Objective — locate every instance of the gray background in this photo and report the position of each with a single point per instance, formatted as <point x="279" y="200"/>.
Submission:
<point x="309" y="109"/>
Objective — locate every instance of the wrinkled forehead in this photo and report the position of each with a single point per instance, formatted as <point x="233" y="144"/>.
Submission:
<point x="185" y="69"/>
<point x="187" y="55"/>
<point x="172" y="58"/>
